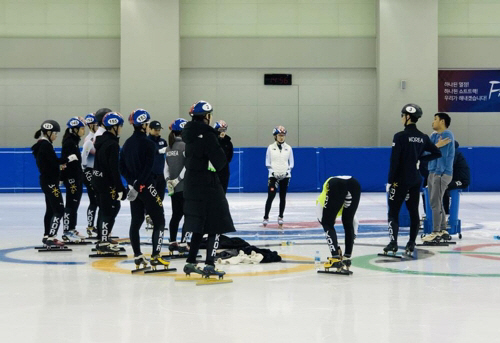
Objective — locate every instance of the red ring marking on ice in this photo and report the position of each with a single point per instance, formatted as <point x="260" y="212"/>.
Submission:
<point x="471" y="248"/>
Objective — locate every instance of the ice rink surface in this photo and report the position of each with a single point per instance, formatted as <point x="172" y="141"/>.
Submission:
<point x="447" y="294"/>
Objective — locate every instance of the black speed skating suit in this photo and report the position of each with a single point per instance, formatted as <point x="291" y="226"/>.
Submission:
<point x="72" y="177"/>
<point x="159" y="165"/>
<point x="136" y="165"/>
<point x="408" y="147"/>
<point x="49" y="166"/>
<point x="107" y="182"/>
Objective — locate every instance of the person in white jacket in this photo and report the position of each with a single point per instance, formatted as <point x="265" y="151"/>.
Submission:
<point x="279" y="162"/>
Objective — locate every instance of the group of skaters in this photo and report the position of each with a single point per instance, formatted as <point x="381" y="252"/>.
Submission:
<point x="193" y="166"/>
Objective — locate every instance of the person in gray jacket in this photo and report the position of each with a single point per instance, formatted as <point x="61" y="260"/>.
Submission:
<point x="174" y="174"/>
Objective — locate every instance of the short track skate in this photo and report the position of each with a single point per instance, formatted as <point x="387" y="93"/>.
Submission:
<point x="337" y="265"/>
<point x="159" y="261"/>
<point x="390" y="251"/>
<point x="107" y="250"/>
<point x="138" y="261"/>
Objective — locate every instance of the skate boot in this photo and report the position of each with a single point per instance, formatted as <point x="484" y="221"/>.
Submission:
<point x="410" y="247"/>
<point x="159" y="261"/>
<point x="141" y="259"/>
<point x="192" y="268"/>
<point x="346" y="261"/>
<point x="53" y="242"/>
<point x="444" y="235"/>
<point x="210" y="270"/>
<point x="280" y="222"/>
<point x="391" y="247"/>
<point x="44" y="239"/>
<point x="107" y="248"/>
<point x="265" y="222"/>
<point x="333" y="262"/>
<point x="182" y="248"/>
<point x="91" y="232"/>
<point x="72" y="236"/>
<point x="433" y="237"/>
<point x="149" y="222"/>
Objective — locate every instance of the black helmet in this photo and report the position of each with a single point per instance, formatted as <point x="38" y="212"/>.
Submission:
<point x="412" y="110"/>
<point x="100" y="113"/>
<point x="50" y="125"/>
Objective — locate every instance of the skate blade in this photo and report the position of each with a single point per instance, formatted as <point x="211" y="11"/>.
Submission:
<point x="79" y="243"/>
<point x="205" y="281"/>
<point x="140" y="270"/>
<point x="390" y="255"/>
<point x="195" y="277"/>
<point x="337" y="272"/>
<point x="167" y="270"/>
<point x="58" y="249"/>
<point x="182" y="255"/>
<point x="107" y="255"/>
<point x="434" y="244"/>
<point x="121" y="249"/>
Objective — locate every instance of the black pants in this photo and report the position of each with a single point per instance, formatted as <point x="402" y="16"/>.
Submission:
<point x="194" y="247"/>
<point x="54" y="207"/>
<point x="160" y="185"/>
<point x="148" y="201"/>
<point x="177" y="200"/>
<point x="410" y="195"/>
<point x="109" y="207"/>
<point x="74" y="189"/>
<point x="454" y="184"/>
<point x="272" y="184"/>
<point x="91" y="210"/>
<point x="341" y="194"/>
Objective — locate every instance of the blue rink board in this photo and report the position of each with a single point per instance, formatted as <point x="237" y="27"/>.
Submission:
<point x="312" y="166"/>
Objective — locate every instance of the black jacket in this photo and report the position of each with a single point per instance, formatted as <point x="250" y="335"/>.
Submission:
<point x="408" y="146"/>
<point x="205" y="206"/>
<point x="106" y="163"/>
<point x="69" y="147"/>
<point x="202" y="146"/>
<point x="47" y="161"/>
<point x="137" y="159"/>
<point x="227" y="146"/>
<point x="159" y="164"/>
<point x="461" y="171"/>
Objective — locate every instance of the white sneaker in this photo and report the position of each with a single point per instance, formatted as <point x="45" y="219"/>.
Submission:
<point x="264" y="222"/>
<point x="280" y="222"/>
<point x="432" y="237"/>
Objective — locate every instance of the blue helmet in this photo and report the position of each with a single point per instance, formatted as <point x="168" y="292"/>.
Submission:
<point x="221" y="125"/>
<point x="178" y="124"/>
<point x="279" y="130"/>
<point x="200" y="108"/>
<point x="139" y="117"/>
<point x="112" y="119"/>
<point x="90" y="119"/>
<point x="76" y="122"/>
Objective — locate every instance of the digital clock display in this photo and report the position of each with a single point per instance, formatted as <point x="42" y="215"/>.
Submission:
<point x="278" y="79"/>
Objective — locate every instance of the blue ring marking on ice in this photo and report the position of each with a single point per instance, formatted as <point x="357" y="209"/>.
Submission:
<point x="5" y="258"/>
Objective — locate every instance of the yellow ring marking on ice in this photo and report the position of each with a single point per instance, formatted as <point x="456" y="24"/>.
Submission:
<point x="109" y="265"/>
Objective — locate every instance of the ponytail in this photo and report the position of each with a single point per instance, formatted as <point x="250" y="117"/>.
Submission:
<point x="171" y="139"/>
<point x="67" y="133"/>
<point x="38" y="133"/>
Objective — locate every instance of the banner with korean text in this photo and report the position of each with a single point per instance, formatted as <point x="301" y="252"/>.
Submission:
<point x="469" y="90"/>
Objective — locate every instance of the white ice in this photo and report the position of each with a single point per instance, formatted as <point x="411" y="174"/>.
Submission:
<point x="445" y="295"/>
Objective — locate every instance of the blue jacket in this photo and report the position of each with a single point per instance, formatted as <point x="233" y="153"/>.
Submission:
<point x="159" y="164"/>
<point x="444" y="164"/>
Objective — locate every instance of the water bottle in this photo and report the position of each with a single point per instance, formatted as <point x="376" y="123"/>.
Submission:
<point x="497" y="238"/>
<point x="317" y="260"/>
